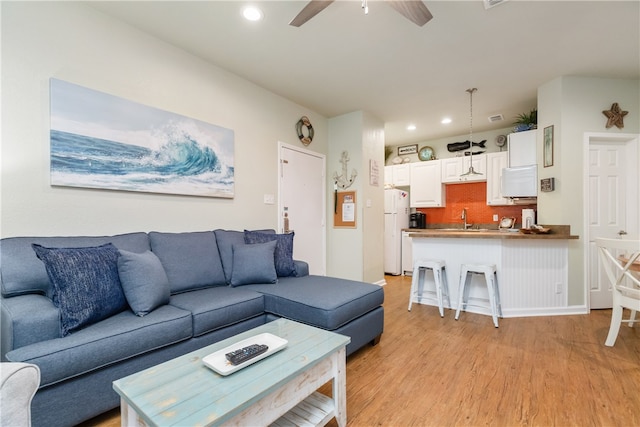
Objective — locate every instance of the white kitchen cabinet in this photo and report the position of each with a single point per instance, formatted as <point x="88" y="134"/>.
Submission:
<point x="452" y="169"/>
<point x="495" y="163"/>
<point x="397" y="175"/>
<point x="522" y="148"/>
<point x="407" y="254"/>
<point x="427" y="190"/>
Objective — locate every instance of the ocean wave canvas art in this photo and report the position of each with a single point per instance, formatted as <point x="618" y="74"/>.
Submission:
<point x="103" y="141"/>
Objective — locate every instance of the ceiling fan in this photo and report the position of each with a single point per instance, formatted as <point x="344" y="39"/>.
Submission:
<point x="413" y="10"/>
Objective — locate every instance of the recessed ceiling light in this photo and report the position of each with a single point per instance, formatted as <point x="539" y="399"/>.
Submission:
<point x="411" y="127"/>
<point x="445" y="121"/>
<point x="252" y="13"/>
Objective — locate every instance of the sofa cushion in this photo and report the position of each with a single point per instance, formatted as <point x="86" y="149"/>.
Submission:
<point x="143" y="280"/>
<point x="112" y="340"/>
<point x="218" y="307"/>
<point x="23" y="273"/>
<point x="284" y="249"/>
<point x="85" y="281"/>
<point x="254" y="264"/>
<point x="226" y="239"/>
<point x="191" y="260"/>
<point x="325" y="302"/>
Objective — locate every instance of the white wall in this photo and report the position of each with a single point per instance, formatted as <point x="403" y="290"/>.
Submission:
<point x="373" y="200"/>
<point x="344" y="245"/>
<point x="356" y="253"/>
<point x="574" y="105"/>
<point x="72" y="42"/>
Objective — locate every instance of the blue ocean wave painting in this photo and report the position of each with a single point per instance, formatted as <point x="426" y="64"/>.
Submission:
<point x="102" y="141"/>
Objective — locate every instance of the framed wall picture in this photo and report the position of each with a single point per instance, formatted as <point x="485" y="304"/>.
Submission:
<point x="407" y="149"/>
<point x="547" y="152"/>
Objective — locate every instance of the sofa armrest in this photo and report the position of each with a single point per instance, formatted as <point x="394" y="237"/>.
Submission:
<point x="27" y="319"/>
<point x="19" y="383"/>
<point x="302" y="268"/>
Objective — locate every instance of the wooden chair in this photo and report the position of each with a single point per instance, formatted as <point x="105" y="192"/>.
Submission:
<point x="621" y="262"/>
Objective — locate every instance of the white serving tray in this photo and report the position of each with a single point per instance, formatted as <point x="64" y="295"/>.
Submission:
<point x="219" y="363"/>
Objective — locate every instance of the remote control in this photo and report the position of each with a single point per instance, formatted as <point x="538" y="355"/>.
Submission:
<point x="239" y="356"/>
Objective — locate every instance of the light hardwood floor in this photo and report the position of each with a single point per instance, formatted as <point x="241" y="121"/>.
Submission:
<point x="535" y="371"/>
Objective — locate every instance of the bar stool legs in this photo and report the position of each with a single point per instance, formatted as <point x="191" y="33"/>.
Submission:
<point x="491" y="278"/>
<point x="439" y="277"/>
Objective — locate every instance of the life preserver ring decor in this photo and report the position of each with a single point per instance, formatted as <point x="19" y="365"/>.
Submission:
<point x="304" y="121"/>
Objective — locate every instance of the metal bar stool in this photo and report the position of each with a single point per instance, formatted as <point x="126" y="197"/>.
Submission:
<point x="491" y="278"/>
<point x="439" y="277"/>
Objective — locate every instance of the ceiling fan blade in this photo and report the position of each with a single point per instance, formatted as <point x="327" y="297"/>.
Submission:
<point x="310" y="10"/>
<point x="413" y="10"/>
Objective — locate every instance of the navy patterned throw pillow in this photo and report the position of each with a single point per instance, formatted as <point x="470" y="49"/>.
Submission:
<point x="284" y="249"/>
<point x="85" y="282"/>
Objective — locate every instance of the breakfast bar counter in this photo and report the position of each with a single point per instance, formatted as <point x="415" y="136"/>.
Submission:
<point x="555" y="232"/>
<point x="532" y="268"/>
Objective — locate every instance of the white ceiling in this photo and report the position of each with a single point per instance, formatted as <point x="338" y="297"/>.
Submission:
<point x="343" y="60"/>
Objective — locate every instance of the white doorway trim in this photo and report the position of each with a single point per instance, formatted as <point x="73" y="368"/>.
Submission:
<point x="631" y="141"/>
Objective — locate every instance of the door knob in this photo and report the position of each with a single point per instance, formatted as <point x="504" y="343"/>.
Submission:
<point x="622" y="233"/>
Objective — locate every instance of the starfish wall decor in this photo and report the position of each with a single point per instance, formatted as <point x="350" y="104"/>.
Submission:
<point x="615" y="116"/>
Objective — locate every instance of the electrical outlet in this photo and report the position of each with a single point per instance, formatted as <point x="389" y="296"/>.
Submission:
<point x="558" y="288"/>
<point x="495" y="217"/>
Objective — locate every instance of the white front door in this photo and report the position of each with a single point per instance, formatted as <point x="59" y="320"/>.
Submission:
<point x="302" y="195"/>
<point x="612" y="203"/>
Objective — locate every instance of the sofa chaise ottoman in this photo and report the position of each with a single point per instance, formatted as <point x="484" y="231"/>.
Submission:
<point x="181" y="291"/>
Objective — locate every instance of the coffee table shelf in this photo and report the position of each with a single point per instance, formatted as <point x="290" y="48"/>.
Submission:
<point x="315" y="410"/>
<point x="278" y="389"/>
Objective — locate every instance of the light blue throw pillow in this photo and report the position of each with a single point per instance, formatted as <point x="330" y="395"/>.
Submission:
<point x="144" y="281"/>
<point x="85" y="282"/>
<point x="284" y="250"/>
<point x="253" y="264"/>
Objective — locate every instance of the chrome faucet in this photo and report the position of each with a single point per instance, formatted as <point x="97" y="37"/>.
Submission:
<point x="464" y="218"/>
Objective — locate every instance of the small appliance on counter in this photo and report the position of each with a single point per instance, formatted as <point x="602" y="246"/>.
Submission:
<point x="418" y="220"/>
<point x="528" y="218"/>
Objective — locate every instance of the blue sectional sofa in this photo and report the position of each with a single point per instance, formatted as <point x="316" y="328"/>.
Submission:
<point x="182" y="291"/>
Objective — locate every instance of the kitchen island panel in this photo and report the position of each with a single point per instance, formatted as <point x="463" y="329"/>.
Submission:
<point x="532" y="274"/>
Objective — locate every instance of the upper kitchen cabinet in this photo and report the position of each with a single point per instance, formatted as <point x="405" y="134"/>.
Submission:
<point x="453" y="168"/>
<point x="522" y="148"/>
<point x="496" y="162"/>
<point x="427" y="190"/>
<point x="397" y="175"/>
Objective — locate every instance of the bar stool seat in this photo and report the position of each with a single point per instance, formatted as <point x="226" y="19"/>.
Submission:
<point x="491" y="279"/>
<point x="440" y="280"/>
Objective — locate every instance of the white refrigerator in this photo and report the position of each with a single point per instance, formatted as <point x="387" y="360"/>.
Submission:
<point x="396" y="217"/>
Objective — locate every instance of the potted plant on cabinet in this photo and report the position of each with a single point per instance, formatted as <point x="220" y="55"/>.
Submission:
<point x="526" y="121"/>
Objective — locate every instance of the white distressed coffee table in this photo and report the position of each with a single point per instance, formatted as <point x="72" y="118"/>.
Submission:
<point x="278" y="390"/>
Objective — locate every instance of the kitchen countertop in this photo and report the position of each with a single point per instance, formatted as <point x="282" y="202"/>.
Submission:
<point x="556" y="232"/>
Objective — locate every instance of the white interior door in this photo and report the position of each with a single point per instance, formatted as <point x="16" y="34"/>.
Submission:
<point x="612" y="203"/>
<point x="302" y="195"/>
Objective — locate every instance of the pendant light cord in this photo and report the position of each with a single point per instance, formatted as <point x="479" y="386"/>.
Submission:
<point x="471" y="171"/>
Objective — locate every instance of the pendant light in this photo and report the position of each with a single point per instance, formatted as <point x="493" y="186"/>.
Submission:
<point x="471" y="171"/>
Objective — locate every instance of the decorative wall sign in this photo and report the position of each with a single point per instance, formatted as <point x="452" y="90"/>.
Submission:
<point x="548" y="146"/>
<point x="408" y="149"/>
<point x="103" y="141"/>
<point x="374" y="173"/>
<point x="304" y="121"/>
<point x="615" y="116"/>
<point x="341" y="180"/>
